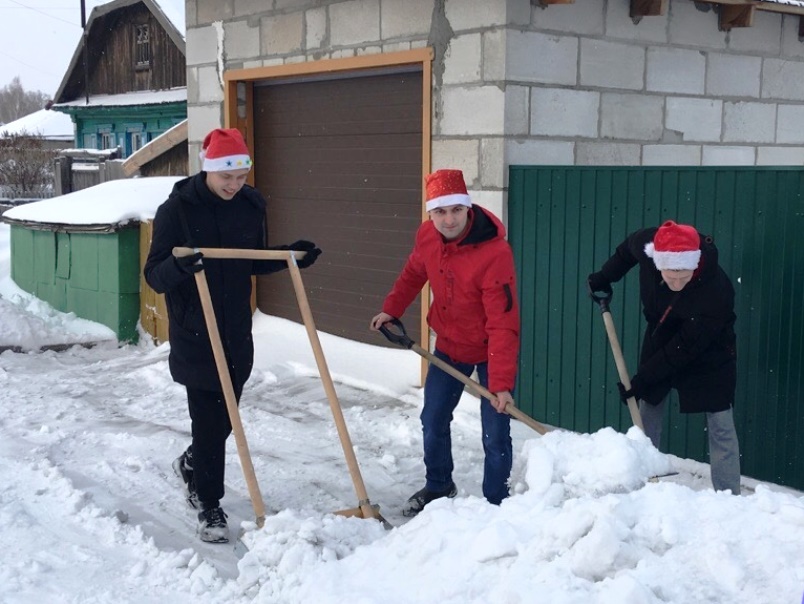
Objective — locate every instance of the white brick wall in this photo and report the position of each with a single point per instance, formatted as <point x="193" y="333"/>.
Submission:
<point x="562" y="112"/>
<point x="690" y="26"/>
<point x="782" y="79"/>
<point x="780" y="156"/>
<point x="676" y="70"/>
<point x="462" y="60"/>
<point x="242" y="40"/>
<point x="542" y="58"/>
<point x="671" y="155"/>
<point x="631" y="117"/>
<point x="696" y="119"/>
<point x="281" y="34"/>
<point x="475" y="111"/>
<point x="728" y="156"/>
<point x="607" y="154"/>
<point x="749" y="122"/>
<point x="612" y="65"/>
<point x="405" y="19"/>
<point x="730" y="75"/>
<point x="515" y="82"/>
<point x="790" y="124"/>
<point x="354" y="22"/>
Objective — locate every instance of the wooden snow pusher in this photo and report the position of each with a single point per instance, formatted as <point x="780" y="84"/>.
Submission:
<point x="364" y="508"/>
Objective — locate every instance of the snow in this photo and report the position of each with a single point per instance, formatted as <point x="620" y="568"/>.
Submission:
<point x="144" y="97"/>
<point x="91" y="512"/>
<point x="114" y="202"/>
<point x="50" y="125"/>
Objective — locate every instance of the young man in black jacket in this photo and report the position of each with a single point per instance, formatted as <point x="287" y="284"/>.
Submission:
<point x="689" y="343"/>
<point x="213" y="209"/>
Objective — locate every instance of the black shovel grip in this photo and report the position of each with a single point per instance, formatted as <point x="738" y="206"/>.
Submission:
<point x="396" y="337"/>
<point x="604" y="299"/>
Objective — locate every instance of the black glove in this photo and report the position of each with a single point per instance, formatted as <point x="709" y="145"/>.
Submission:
<point x="637" y="390"/>
<point x="598" y="282"/>
<point x="305" y="246"/>
<point x="190" y="264"/>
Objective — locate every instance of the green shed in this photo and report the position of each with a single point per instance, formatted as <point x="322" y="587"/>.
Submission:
<point x="565" y="221"/>
<point x="81" y="252"/>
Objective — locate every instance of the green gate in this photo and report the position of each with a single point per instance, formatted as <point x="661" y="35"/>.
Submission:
<point x="566" y="221"/>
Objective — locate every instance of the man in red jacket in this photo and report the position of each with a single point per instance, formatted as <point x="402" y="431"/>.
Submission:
<point x="463" y="253"/>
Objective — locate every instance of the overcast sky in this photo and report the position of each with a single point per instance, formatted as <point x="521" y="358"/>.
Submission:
<point x="39" y="39"/>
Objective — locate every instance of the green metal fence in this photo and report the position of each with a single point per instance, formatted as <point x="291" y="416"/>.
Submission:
<point x="566" y="221"/>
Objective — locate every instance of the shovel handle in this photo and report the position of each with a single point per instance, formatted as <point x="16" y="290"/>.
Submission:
<point x="601" y="300"/>
<point x="396" y="337"/>
<point x="401" y="337"/>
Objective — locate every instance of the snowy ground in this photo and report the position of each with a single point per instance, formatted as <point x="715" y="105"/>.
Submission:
<point x="90" y="511"/>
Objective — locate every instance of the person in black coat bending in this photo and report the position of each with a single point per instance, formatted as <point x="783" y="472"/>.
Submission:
<point x="214" y="209"/>
<point x="689" y="343"/>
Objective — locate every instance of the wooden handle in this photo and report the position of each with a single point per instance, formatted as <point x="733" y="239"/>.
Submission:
<point x="229" y="397"/>
<point x="367" y="510"/>
<point x="622" y="370"/>
<point x="479" y="389"/>
<point x="213" y="252"/>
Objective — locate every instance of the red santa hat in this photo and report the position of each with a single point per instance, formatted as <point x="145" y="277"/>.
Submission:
<point x="445" y="188"/>
<point x="675" y="247"/>
<point x="224" y="149"/>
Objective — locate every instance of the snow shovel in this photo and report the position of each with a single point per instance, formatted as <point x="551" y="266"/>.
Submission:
<point x="401" y="337"/>
<point x="365" y="509"/>
<point x="603" y="302"/>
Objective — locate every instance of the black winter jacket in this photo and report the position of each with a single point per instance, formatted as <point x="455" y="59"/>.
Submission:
<point x="693" y="347"/>
<point x="193" y="216"/>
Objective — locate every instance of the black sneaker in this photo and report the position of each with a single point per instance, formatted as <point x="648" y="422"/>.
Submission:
<point x="421" y="498"/>
<point x="183" y="468"/>
<point x="212" y="526"/>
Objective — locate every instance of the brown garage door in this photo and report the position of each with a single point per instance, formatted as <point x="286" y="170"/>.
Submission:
<point x="340" y="163"/>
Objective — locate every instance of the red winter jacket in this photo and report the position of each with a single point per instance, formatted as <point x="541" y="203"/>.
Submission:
<point x="474" y="311"/>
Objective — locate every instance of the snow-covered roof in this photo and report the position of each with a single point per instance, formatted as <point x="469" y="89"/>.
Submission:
<point x="144" y="97"/>
<point x="50" y="125"/>
<point x="112" y="203"/>
<point x="787" y="2"/>
<point x="170" y="14"/>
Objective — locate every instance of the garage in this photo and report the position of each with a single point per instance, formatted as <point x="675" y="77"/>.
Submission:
<point x="339" y="157"/>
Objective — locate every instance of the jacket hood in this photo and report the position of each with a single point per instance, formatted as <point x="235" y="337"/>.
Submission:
<point x="485" y="226"/>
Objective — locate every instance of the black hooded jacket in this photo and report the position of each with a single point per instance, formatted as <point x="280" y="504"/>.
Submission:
<point x="689" y="343"/>
<point x="193" y="216"/>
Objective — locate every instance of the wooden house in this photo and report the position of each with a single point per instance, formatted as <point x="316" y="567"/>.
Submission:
<point x="128" y="84"/>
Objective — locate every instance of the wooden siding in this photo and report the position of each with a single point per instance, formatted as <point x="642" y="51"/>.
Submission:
<point x="174" y="162"/>
<point x="153" y="310"/>
<point x="112" y="57"/>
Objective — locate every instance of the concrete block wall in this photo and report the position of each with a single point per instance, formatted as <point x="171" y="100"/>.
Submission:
<point x="518" y="83"/>
<point x="667" y="90"/>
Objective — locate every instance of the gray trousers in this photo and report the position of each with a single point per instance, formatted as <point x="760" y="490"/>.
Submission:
<point x="724" y="450"/>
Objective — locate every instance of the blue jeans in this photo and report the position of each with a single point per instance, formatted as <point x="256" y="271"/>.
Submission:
<point x="441" y="395"/>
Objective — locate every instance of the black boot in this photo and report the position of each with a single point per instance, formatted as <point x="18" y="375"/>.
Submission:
<point x="183" y="467"/>
<point x="421" y="498"/>
<point x="212" y="526"/>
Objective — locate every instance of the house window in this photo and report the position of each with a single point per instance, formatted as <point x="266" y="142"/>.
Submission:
<point x="137" y="141"/>
<point x="90" y="141"/>
<point x="142" y="50"/>
<point x="108" y="140"/>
